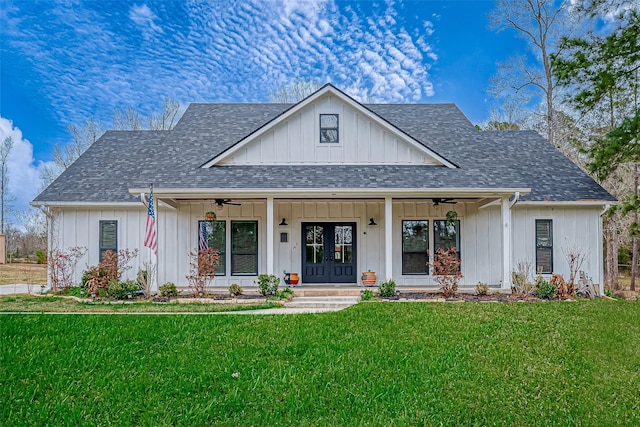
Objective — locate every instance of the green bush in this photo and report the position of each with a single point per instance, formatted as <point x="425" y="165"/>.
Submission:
<point x="122" y="290"/>
<point x="267" y="284"/>
<point x="546" y="290"/>
<point x="235" y="289"/>
<point x="387" y="288"/>
<point x="168" y="290"/>
<point x="75" y="291"/>
<point x="286" y="293"/>
<point x="41" y="256"/>
<point x="367" y="295"/>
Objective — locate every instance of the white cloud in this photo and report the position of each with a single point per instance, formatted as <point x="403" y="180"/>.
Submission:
<point x="23" y="170"/>
<point x="145" y="19"/>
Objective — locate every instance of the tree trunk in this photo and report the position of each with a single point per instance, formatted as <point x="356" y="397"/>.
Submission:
<point x="614" y="255"/>
<point x="634" y="253"/>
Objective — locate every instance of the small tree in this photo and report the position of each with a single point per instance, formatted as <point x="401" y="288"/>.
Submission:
<point x="202" y="267"/>
<point x="446" y="270"/>
<point x="62" y="264"/>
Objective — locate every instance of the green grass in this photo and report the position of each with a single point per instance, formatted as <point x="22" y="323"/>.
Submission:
<point x="53" y="304"/>
<point x="553" y="363"/>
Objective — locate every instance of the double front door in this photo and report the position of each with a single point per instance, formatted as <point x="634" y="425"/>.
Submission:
<point x="329" y="252"/>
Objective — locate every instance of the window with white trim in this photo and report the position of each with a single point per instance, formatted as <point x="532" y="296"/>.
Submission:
<point x="108" y="239"/>
<point x="415" y="244"/>
<point x="329" y="130"/>
<point x="544" y="246"/>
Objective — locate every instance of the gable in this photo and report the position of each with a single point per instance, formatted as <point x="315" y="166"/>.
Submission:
<point x="360" y="137"/>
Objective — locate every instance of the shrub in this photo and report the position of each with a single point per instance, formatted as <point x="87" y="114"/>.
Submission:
<point x="110" y="269"/>
<point x="367" y="295"/>
<point x="168" y="290"/>
<point x="202" y="267"/>
<point x="75" y="291"/>
<point x="545" y="290"/>
<point x="482" y="289"/>
<point x="387" y="288"/>
<point x="267" y="284"/>
<point x="41" y="256"/>
<point x="122" y="290"/>
<point x="520" y="278"/>
<point x="62" y="264"/>
<point x="235" y="289"/>
<point x="446" y="270"/>
<point x="286" y="293"/>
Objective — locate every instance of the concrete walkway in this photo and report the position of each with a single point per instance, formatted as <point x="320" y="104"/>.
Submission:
<point x="19" y="288"/>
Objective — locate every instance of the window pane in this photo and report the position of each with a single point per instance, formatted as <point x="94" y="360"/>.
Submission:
<point x="212" y="234"/>
<point x="328" y="120"/>
<point x="108" y="237"/>
<point x="329" y="135"/>
<point x="544" y="246"/>
<point x="415" y="243"/>
<point x="244" y="247"/>
<point x="446" y="235"/>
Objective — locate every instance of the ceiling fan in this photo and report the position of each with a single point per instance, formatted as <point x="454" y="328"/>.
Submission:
<point x="221" y="202"/>
<point x="436" y="201"/>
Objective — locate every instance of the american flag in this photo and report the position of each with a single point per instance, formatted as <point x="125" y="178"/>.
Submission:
<point x="150" y="239"/>
<point x="203" y="237"/>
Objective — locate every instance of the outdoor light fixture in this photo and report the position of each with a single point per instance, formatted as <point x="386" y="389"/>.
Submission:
<point x="372" y="222"/>
<point x="284" y="222"/>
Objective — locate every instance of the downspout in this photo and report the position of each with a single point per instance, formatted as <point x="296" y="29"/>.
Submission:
<point x="48" y="214"/>
<point x="601" y="243"/>
<point x="516" y="199"/>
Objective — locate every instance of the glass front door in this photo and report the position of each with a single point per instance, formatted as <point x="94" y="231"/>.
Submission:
<point x="329" y="253"/>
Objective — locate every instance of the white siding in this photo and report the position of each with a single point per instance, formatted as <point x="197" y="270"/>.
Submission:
<point x="481" y="245"/>
<point x="297" y="141"/>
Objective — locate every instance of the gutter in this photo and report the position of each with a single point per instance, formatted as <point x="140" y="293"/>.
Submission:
<point x="516" y="198"/>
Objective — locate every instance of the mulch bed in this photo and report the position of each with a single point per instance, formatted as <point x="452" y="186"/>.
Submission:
<point x="464" y="297"/>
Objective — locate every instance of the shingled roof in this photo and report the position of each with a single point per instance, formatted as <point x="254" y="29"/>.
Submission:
<point x="121" y="160"/>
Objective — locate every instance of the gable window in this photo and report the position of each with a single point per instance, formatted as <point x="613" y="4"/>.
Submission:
<point x="446" y="235"/>
<point x="244" y="248"/>
<point x="415" y="243"/>
<point x="329" y="129"/>
<point x="212" y="234"/>
<point x="544" y="246"/>
<point x="108" y="239"/>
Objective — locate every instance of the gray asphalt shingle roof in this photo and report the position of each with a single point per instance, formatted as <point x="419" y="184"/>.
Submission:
<point x="120" y="160"/>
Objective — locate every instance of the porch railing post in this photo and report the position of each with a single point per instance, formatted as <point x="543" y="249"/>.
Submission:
<point x="270" y="248"/>
<point x="388" y="238"/>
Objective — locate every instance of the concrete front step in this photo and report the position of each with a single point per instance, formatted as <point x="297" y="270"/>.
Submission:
<point x="328" y="302"/>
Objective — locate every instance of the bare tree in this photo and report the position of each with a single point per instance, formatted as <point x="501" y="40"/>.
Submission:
<point x="5" y="197"/>
<point x="166" y="119"/>
<point x="65" y="155"/>
<point x="126" y="120"/>
<point x="541" y="23"/>
<point x="294" y="92"/>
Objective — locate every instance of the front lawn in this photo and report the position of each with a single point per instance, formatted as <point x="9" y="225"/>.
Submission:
<point x="55" y="304"/>
<point x="554" y="363"/>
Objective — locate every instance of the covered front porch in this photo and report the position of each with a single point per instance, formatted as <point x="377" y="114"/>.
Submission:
<point x="331" y="237"/>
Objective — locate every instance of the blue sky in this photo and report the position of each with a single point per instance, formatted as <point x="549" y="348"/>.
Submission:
<point x="65" y="61"/>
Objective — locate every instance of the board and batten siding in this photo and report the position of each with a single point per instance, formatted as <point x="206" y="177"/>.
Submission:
<point x="297" y="141"/>
<point x="481" y="239"/>
<point x="574" y="227"/>
<point x="81" y="228"/>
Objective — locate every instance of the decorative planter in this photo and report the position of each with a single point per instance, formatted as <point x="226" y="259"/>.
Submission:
<point x="210" y="216"/>
<point x="291" y="278"/>
<point x="369" y="278"/>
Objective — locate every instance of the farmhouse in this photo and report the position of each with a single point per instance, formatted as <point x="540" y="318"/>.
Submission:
<point x="330" y="188"/>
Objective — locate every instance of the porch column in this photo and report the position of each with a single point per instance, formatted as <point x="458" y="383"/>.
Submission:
<point x="506" y="243"/>
<point x="388" y="238"/>
<point x="270" y="248"/>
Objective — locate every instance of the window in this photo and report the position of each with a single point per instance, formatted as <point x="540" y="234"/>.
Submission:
<point x="244" y="248"/>
<point x="415" y="243"/>
<point x="212" y="234"/>
<point x="446" y="235"/>
<point x="329" y="128"/>
<point x="544" y="246"/>
<point x="108" y="237"/>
